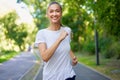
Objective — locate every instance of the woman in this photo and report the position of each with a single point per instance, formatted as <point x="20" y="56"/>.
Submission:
<point x="54" y="47"/>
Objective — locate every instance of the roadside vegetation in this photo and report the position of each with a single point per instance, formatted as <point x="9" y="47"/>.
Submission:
<point x="7" y="55"/>
<point x="108" y="67"/>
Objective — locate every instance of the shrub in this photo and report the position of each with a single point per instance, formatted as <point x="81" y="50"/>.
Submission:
<point x="113" y="51"/>
<point x="104" y="44"/>
<point x="89" y="47"/>
<point x="8" y="52"/>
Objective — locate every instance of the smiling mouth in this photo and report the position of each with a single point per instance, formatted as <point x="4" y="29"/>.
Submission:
<point x="54" y="18"/>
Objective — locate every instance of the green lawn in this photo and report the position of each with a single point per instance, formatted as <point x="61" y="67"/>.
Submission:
<point x="108" y="67"/>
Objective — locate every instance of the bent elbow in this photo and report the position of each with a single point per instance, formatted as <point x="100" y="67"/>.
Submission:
<point x="45" y="59"/>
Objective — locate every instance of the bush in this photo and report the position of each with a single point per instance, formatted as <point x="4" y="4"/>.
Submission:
<point x="8" y="52"/>
<point x="108" y="54"/>
<point x="89" y="47"/>
<point x="75" y="46"/>
<point x="113" y="51"/>
<point x="104" y="44"/>
<point x="110" y="48"/>
<point x="6" y="55"/>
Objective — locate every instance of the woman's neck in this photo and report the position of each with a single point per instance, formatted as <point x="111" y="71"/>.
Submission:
<point x="54" y="27"/>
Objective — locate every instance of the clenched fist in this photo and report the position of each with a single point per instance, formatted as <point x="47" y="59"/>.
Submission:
<point x="74" y="61"/>
<point x="63" y="34"/>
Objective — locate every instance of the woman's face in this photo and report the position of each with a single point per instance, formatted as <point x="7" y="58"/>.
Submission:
<point x="54" y="13"/>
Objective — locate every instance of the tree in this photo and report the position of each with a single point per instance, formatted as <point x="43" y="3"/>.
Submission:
<point x="107" y="12"/>
<point x="73" y="17"/>
<point x="12" y="31"/>
<point x="79" y="15"/>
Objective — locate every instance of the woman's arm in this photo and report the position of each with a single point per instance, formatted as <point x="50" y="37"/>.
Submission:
<point x="47" y="53"/>
<point x="74" y="58"/>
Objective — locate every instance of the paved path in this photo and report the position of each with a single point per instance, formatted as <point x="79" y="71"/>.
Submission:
<point x="16" y="67"/>
<point x="85" y="73"/>
<point x="82" y="73"/>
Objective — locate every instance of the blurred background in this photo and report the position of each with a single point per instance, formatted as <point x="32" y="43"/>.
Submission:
<point x="21" y="19"/>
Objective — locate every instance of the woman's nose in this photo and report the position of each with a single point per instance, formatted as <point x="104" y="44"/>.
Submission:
<point x="54" y="13"/>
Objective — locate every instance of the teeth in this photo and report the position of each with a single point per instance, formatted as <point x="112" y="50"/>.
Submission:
<point x="54" y="18"/>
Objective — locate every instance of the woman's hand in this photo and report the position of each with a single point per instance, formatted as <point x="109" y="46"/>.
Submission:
<point x="74" y="61"/>
<point x="63" y="35"/>
<point x="73" y="58"/>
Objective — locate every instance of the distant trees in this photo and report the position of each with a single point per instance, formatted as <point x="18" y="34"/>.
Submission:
<point x="13" y="33"/>
<point x="15" y="36"/>
<point x="83" y="16"/>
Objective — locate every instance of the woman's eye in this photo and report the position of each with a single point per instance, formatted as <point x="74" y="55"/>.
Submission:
<point x="57" y="11"/>
<point x="51" y="11"/>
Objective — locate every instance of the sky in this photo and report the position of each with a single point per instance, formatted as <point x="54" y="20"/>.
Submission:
<point x="21" y="8"/>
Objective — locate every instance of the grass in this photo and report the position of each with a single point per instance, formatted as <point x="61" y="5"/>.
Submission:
<point x="108" y="67"/>
<point x="6" y="55"/>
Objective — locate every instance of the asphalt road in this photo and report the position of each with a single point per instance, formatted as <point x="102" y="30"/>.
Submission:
<point x="15" y="68"/>
<point x="82" y="73"/>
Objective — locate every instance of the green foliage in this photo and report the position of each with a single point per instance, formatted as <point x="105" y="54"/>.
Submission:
<point x="7" y="52"/>
<point x="20" y="35"/>
<point x="82" y="17"/>
<point x="107" y="16"/>
<point x="12" y="31"/>
<point x="89" y="47"/>
<point x="108" y="54"/>
<point x="113" y="51"/>
<point x="116" y="48"/>
<point x="6" y="55"/>
<point x="39" y="13"/>
<point x="104" y="44"/>
<point x="74" y="22"/>
<point x="75" y="46"/>
<point x="109" y="47"/>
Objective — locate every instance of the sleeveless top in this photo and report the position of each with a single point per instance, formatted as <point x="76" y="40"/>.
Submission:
<point x="59" y="65"/>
